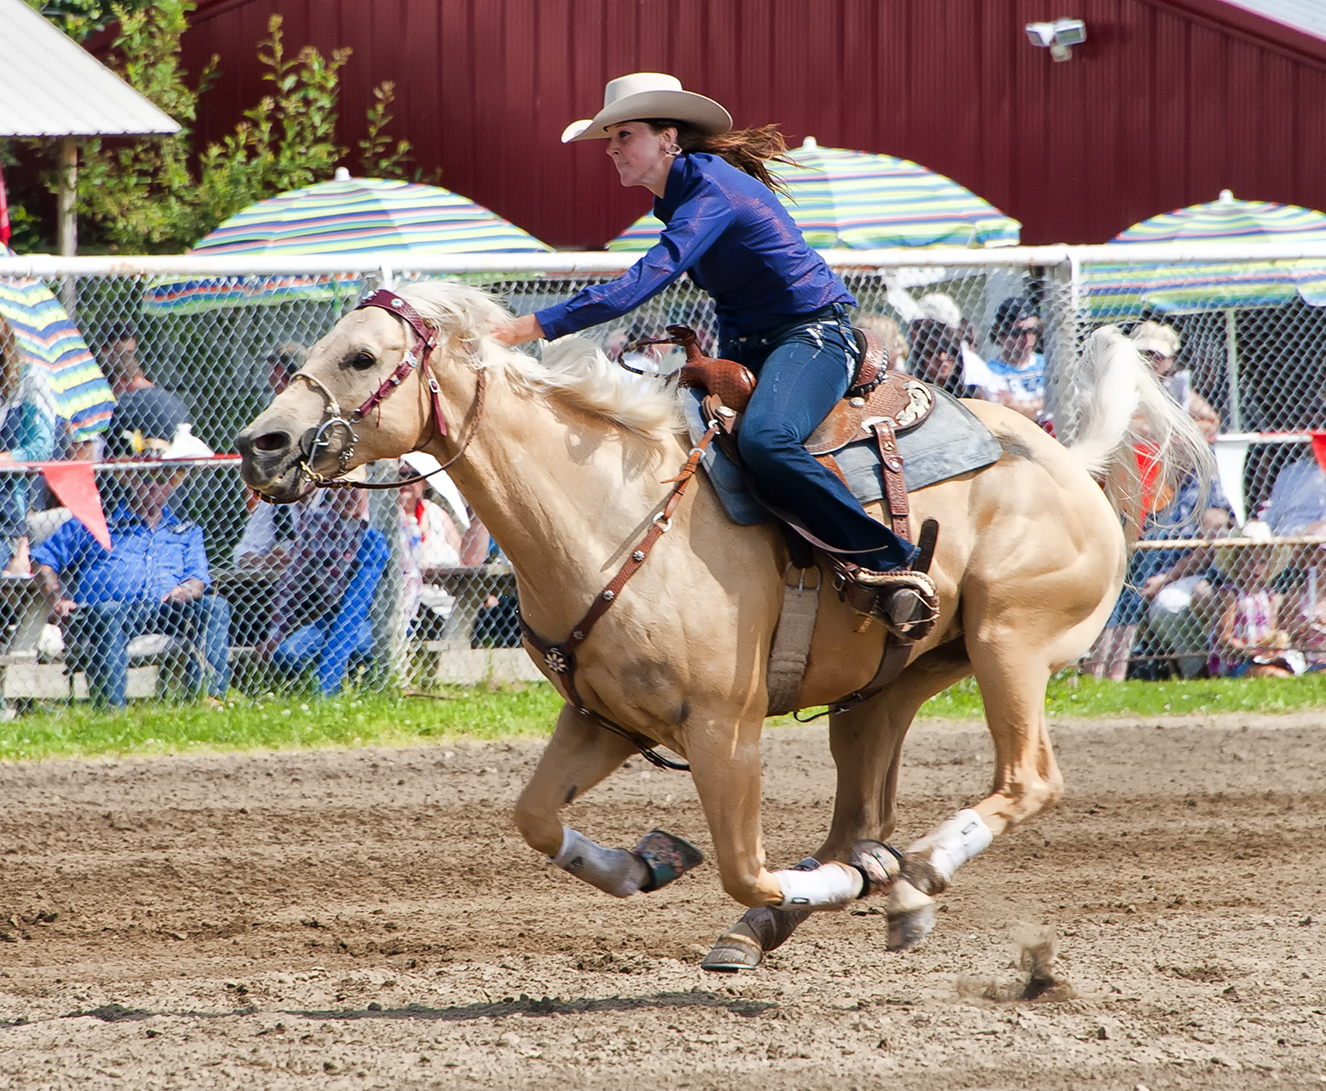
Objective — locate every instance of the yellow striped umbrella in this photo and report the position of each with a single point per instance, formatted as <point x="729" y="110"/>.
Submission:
<point x="861" y="201"/>
<point x="45" y="337"/>
<point x="344" y="216"/>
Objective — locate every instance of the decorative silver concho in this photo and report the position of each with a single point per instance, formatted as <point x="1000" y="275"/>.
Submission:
<point x="555" y="660"/>
<point x="919" y="400"/>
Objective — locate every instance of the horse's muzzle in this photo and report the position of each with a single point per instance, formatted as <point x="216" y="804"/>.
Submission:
<point x="270" y="461"/>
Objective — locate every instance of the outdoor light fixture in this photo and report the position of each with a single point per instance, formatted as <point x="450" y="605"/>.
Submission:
<point x="1058" y="37"/>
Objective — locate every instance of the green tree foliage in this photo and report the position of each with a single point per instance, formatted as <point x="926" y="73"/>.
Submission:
<point x="147" y="195"/>
<point x="80" y="18"/>
<point x="141" y="195"/>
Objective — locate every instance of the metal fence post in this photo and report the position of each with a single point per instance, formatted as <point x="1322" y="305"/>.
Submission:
<point x="1059" y="316"/>
<point x="390" y="624"/>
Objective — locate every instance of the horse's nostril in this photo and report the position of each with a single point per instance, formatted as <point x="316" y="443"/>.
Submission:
<point x="271" y="441"/>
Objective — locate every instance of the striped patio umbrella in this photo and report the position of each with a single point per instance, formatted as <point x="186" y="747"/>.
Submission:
<point x="862" y="201"/>
<point x="1113" y="290"/>
<point x="345" y="216"/>
<point x="45" y="337"/>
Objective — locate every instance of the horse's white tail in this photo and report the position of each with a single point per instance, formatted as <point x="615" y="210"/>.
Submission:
<point x="1114" y="405"/>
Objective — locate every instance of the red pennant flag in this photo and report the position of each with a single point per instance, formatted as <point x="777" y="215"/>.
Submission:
<point x="73" y="483"/>
<point x="1319" y="448"/>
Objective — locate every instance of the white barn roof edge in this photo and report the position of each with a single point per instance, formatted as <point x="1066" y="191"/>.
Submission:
<point x="51" y="86"/>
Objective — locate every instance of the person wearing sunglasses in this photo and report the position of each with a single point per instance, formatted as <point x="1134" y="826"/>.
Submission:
<point x="1159" y="345"/>
<point x="1017" y="370"/>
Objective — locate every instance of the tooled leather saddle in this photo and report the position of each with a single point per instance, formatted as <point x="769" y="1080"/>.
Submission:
<point x="879" y="403"/>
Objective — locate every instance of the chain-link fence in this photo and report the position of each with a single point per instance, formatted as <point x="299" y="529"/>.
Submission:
<point x="381" y="590"/>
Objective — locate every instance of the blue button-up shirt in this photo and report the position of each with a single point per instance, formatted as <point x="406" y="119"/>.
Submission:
<point x="142" y="565"/>
<point x="737" y="241"/>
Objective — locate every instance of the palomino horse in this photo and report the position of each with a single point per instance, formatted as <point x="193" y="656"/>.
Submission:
<point x="566" y="461"/>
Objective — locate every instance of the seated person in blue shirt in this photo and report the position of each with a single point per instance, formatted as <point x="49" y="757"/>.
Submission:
<point x="781" y="310"/>
<point x="154" y="579"/>
<point x="325" y="592"/>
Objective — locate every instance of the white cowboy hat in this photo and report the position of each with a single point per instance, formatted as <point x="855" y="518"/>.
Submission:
<point x="184" y="446"/>
<point x="423" y="464"/>
<point x="1153" y="337"/>
<point x="650" y="95"/>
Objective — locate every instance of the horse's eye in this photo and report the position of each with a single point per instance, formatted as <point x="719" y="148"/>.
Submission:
<point x="363" y="360"/>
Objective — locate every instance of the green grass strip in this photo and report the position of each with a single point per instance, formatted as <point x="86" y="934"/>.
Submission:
<point x="301" y="722"/>
<point x="296" y="722"/>
<point x="1071" y="695"/>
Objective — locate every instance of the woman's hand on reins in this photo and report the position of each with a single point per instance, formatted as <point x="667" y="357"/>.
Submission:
<point x="517" y="331"/>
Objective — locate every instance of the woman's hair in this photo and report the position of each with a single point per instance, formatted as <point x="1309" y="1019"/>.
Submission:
<point x="746" y="149"/>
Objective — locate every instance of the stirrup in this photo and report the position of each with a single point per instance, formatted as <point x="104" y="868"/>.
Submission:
<point x="904" y="601"/>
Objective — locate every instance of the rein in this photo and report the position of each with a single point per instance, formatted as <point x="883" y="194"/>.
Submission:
<point x="415" y="358"/>
<point x="560" y="659"/>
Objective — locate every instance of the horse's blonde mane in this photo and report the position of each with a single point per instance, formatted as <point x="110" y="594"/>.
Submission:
<point x="572" y="368"/>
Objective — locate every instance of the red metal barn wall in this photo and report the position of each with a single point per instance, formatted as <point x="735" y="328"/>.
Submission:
<point x="1168" y="102"/>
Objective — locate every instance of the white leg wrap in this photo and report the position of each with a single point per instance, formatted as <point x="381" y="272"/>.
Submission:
<point x="828" y="887"/>
<point x="614" y="871"/>
<point x="955" y="842"/>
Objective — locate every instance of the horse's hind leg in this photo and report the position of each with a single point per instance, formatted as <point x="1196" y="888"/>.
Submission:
<point x="866" y="743"/>
<point x="580" y="755"/>
<point x="1012" y="679"/>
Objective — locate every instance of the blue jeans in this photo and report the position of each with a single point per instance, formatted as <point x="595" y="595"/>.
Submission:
<point x="334" y="641"/>
<point x="803" y="369"/>
<point x="100" y="633"/>
<point x="337" y="638"/>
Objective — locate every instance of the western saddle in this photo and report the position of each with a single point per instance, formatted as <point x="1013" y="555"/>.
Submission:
<point x="879" y="403"/>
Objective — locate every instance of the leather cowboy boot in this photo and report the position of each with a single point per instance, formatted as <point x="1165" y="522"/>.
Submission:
<point x="904" y="600"/>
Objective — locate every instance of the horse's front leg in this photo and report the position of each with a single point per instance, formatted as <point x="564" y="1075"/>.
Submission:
<point x="726" y="770"/>
<point x="866" y="742"/>
<point x="580" y="755"/>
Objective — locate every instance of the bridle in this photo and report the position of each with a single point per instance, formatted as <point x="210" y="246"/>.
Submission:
<point x="415" y="359"/>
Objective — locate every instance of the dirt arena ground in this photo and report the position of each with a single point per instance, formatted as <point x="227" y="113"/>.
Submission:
<point x="369" y="918"/>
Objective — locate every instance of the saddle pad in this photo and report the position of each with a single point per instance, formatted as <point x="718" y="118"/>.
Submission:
<point x="950" y="442"/>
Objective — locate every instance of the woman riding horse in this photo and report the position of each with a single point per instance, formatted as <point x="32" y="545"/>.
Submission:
<point x="781" y="311"/>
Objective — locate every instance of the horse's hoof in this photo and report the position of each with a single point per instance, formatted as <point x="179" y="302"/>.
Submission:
<point x="667" y="856"/>
<point x="732" y="953"/>
<point x="878" y="864"/>
<point x="911" y="916"/>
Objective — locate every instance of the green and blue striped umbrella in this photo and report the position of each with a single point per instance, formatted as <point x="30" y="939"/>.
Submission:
<point x="45" y="337"/>
<point x="1213" y="286"/>
<point x="864" y="202"/>
<point x="401" y="220"/>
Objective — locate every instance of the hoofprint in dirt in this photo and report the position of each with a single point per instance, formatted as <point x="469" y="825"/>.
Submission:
<point x="371" y="918"/>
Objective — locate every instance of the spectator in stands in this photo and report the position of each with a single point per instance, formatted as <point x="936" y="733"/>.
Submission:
<point x="271" y="529"/>
<point x="142" y="408"/>
<point x="1298" y="498"/>
<point x="1247" y="639"/>
<point x="1182" y="596"/>
<point x="325" y="592"/>
<point x="431" y="540"/>
<point x="1017" y="372"/>
<point x="936" y="356"/>
<point x="282" y="363"/>
<point x="27" y="434"/>
<point x="154" y="579"/>
<point x="1305" y="604"/>
<point x="1160" y="345"/>
<point x="1171" y="586"/>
